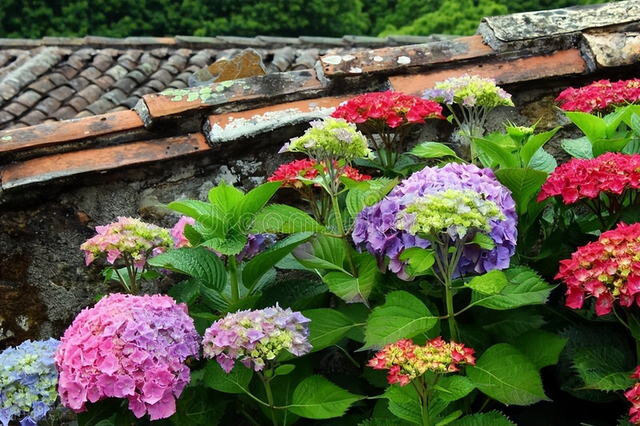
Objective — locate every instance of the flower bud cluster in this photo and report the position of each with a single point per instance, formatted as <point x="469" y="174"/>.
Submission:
<point x="406" y="360"/>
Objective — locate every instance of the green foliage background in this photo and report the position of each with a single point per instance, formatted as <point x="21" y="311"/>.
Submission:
<point x="122" y="18"/>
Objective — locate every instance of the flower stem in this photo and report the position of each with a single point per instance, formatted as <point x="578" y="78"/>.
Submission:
<point x="267" y="388"/>
<point x="343" y="235"/>
<point x="233" y="277"/>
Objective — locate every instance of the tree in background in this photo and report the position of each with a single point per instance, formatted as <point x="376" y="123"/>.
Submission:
<point x="332" y="18"/>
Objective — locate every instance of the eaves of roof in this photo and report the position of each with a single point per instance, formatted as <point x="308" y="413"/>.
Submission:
<point x="131" y="105"/>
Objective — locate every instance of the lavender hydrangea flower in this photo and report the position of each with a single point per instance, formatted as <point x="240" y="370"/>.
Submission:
<point x="376" y="226"/>
<point x="256" y="337"/>
<point x="131" y="347"/>
<point x="28" y="382"/>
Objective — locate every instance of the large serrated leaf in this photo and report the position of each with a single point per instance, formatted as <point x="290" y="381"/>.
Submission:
<point x="355" y="289"/>
<point x="401" y="317"/>
<point x="236" y="381"/>
<point x="404" y="403"/>
<point x="255" y="200"/>
<point x="578" y="148"/>
<point x="592" y="126"/>
<point x="209" y="219"/>
<point x="493" y="282"/>
<point x="541" y="347"/>
<point x="327" y="327"/>
<point x="497" y="153"/>
<point x="506" y="375"/>
<point x="281" y="218"/>
<point x="601" y="146"/>
<point x="525" y="287"/>
<point x="543" y="161"/>
<point x="322" y="252"/>
<point x="523" y="184"/>
<point x="226" y="198"/>
<point x="230" y="244"/>
<point x="197" y="262"/>
<point x="260" y="264"/>
<point x="602" y="368"/>
<point x="317" y="398"/>
<point x="453" y="388"/>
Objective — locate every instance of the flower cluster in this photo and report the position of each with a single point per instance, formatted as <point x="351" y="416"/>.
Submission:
<point x="389" y="108"/>
<point x="633" y="396"/>
<point x="131" y="347"/>
<point x="256" y="337"/>
<point x="607" y="269"/>
<point x="330" y="139"/>
<point x="610" y="173"/>
<point x="454" y="212"/>
<point x="291" y="174"/>
<point x="600" y="96"/>
<point x="469" y="91"/>
<point x="376" y="227"/>
<point x="28" y="382"/>
<point x="129" y="237"/>
<point x="406" y="360"/>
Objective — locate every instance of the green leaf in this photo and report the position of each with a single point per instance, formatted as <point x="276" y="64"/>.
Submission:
<point x="260" y="264"/>
<point x="231" y="244"/>
<point x="317" y="398"/>
<point x="523" y="183"/>
<point x="601" y="146"/>
<point x="281" y="218"/>
<point x="578" y="148"/>
<point x="602" y="368"/>
<point x="433" y="150"/>
<point x="525" y="287"/>
<point x="541" y="347"/>
<point x="404" y="403"/>
<point x="357" y="199"/>
<point x="236" y="381"/>
<point x="534" y="144"/>
<point x="355" y="289"/>
<point x="593" y="127"/>
<point x="493" y="282"/>
<point x="322" y="252"/>
<point x="283" y="370"/>
<point x="401" y="317"/>
<point x="543" y="161"/>
<point x="492" y="418"/>
<point x="506" y="375"/>
<point x="226" y="198"/>
<point x="209" y="219"/>
<point x="507" y="325"/>
<point x="186" y="292"/>
<point x="498" y="154"/>
<point x="198" y="406"/>
<point x="453" y="388"/>
<point x="327" y="327"/>
<point x="197" y="262"/>
<point x="255" y="200"/>
<point x="420" y="260"/>
<point x="484" y="241"/>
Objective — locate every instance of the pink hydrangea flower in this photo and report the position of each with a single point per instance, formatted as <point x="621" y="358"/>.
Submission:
<point x="256" y="337"/>
<point x="177" y="232"/>
<point x="131" y="347"/>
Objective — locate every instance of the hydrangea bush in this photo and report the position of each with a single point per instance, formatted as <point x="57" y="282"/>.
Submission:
<point x="131" y="347"/>
<point x="28" y="382"/>
<point x="599" y="96"/>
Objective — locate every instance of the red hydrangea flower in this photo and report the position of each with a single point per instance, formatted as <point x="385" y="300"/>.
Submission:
<point x="406" y="360"/>
<point x="607" y="269"/>
<point x="291" y="173"/>
<point x="392" y="108"/>
<point x="611" y="173"/>
<point x="599" y="95"/>
<point x="633" y="396"/>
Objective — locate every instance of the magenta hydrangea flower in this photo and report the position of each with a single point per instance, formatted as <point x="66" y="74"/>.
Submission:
<point x="256" y="337"/>
<point x="177" y="232"/>
<point x="131" y="347"/>
<point x="376" y="226"/>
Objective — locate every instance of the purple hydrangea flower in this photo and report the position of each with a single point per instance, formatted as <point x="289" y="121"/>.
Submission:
<point x="376" y="229"/>
<point x="28" y="382"/>
<point x="256" y="337"/>
<point x="131" y="347"/>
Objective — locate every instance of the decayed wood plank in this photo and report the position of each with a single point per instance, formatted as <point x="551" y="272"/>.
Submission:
<point x="62" y="132"/>
<point x="51" y="168"/>
<point x="389" y="60"/>
<point x="566" y="62"/>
